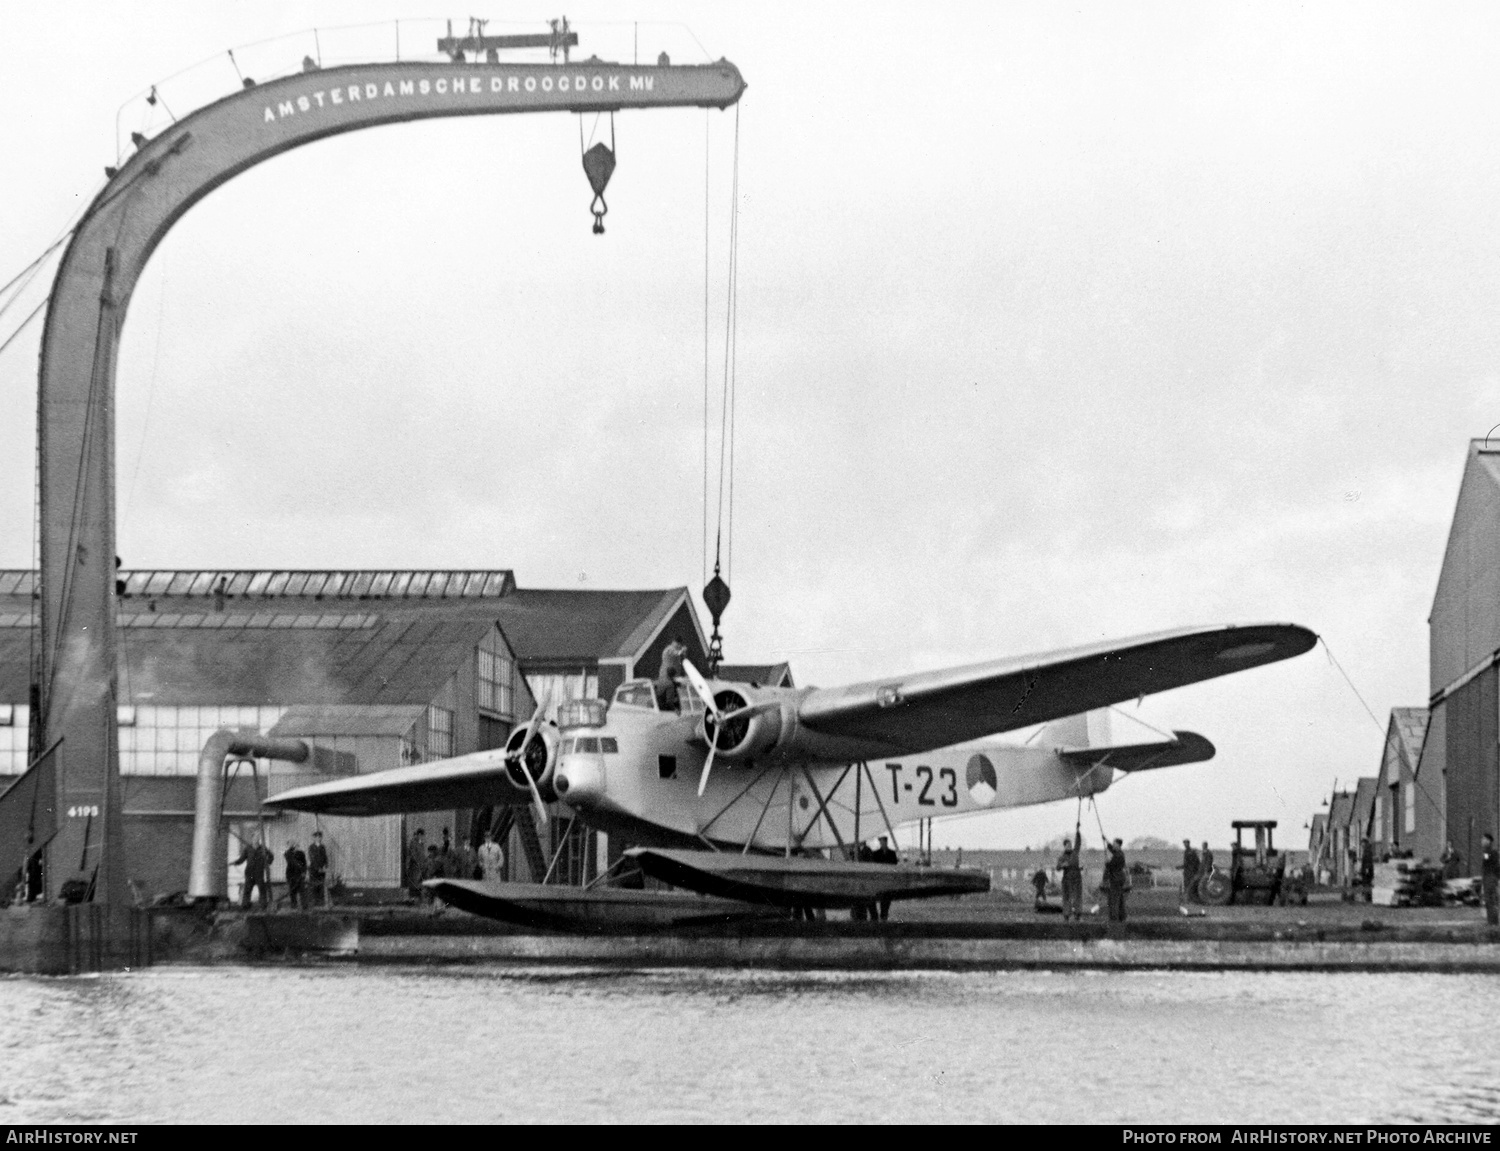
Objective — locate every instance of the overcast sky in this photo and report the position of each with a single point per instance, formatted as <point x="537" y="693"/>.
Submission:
<point x="1057" y="324"/>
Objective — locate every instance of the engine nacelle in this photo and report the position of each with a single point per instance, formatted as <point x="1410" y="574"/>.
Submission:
<point x="541" y="757"/>
<point x="744" y="737"/>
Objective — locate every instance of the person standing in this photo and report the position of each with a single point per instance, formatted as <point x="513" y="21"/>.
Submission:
<point x="1116" y="880"/>
<point x="1489" y="863"/>
<point x="885" y="853"/>
<point x="1070" y="863"/>
<point x="317" y="870"/>
<point x="1189" y="872"/>
<point x="491" y="858"/>
<point x="1039" y="884"/>
<point x="416" y="861"/>
<point x="257" y="860"/>
<point x="296" y="876"/>
<point x="1366" y="866"/>
<point x="1453" y="863"/>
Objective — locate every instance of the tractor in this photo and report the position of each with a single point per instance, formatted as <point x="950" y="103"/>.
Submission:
<point x="1255" y="873"/>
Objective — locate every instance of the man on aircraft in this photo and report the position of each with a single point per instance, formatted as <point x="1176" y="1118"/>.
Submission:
<point x="672" y="658"/>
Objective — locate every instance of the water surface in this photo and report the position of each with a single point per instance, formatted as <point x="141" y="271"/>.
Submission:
<point x="507" y="1044"/>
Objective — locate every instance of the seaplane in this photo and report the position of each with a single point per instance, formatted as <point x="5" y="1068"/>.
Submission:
<point x="737" y="795"/>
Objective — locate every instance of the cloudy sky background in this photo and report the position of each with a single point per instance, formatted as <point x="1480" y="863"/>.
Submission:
<point x="1056" y="324"/>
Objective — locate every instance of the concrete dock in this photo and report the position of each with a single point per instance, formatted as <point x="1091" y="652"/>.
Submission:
<point x="961" y="934"/>
<point x="951" y="934"/>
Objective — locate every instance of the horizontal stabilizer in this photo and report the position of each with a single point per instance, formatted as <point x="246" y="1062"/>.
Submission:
<point x="477" y="780"/>
<point x="1188" y="747"/>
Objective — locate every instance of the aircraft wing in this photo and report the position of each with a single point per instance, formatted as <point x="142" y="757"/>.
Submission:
<point x="1187" y="747"/>
<point x="476" y="780"/>
<point x="936" y="709"/>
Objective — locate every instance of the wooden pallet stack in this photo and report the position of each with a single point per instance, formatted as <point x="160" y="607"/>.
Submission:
<point x="1407" y="883"/>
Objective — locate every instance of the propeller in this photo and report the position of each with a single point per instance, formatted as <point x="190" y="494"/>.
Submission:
<point x="721" y="718"/>
<point x="519" y="755"/>
<point x="705" y="693"/>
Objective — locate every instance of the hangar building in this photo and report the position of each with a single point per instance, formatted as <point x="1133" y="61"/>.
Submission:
<point x="373" y="669"/>
<point x="1460" y="761"/>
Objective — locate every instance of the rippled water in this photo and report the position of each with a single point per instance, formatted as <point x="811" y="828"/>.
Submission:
<point x="493" y="1044"/>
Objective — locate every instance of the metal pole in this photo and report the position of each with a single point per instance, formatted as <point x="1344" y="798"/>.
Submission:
<point x="859" y="778"/>
<point x="556" y="855"/>
<point x="791" y="792"/>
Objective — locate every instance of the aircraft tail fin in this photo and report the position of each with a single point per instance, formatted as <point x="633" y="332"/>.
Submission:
<point x="1077" y="732"/>
<point x="1084" y="741"/>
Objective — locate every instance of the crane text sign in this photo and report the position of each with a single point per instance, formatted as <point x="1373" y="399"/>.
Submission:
<point x="529" y="88"/>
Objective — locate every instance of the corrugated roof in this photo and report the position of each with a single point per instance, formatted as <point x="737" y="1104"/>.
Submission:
<point x="402" y="660"/>
<point x="582" y="626"/>
<point x="359" y="584"/>
<point x="341" y="719"/>
<point x="1340" y="808"/>
<point x="1364" y="807"/>
<point x="1411" y="726"/>
<point x="766" y="674"/>
<point x="543" y="626"/>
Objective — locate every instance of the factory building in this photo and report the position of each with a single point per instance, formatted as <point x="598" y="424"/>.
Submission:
<point x="1407" y="815"/>
<point x="1462" y="746"/>
<point x="371" y="669"/>
<point x="1334" y="842"/>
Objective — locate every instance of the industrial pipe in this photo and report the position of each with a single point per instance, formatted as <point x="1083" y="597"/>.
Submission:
<point x="208" y="876"/>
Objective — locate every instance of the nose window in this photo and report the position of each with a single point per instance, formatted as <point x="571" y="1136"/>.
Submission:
<point x="608" y="745"/>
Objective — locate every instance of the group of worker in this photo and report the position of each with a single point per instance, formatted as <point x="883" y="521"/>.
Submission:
<point x="306" y="874"/>
<point x="1115" y="885"/>
<point x="1196" y="867"/>
<point x="446" y="860"/>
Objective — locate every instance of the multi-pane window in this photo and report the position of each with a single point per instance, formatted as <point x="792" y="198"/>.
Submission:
<point x="439" y="732"/>
<point x="494" y="682"/>
<point x="168" y="740"/>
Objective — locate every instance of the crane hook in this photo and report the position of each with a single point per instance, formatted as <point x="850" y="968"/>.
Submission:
<point x="599" y="166"/>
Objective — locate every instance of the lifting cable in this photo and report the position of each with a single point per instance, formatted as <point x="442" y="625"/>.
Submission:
<point x="724" y="526"/>
<point x="706" y="170"/>
<point x="1390" y="740"/>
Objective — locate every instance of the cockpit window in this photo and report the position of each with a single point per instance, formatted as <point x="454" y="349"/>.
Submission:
<point x="567" y="746"/>
<point x="636" y="693"/>
<point x="588" y="743"/>
<point x="688" y="702"/>
<point x="608" y="745"/>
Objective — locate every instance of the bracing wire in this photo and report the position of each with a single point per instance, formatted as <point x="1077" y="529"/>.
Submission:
<point x="33" y="314"/>
<point x="30" y="270"/>
<point x="1391" y="740"/>
<point x="140" y="455"/>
